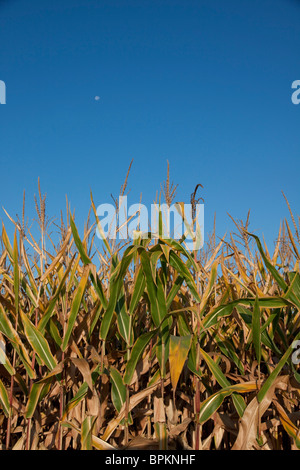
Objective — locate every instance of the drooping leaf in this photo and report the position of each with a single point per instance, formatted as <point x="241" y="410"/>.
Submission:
<point x="224" y="382"/>
<point x="179" y="349"/>
<point x="212" y="403"/>
<point x="7" y="329"/>
<point x="38" y="343"/>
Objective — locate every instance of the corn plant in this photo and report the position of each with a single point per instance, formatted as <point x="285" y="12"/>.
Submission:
<point x="147" y="345"/>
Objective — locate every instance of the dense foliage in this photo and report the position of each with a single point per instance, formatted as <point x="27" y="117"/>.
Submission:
<point x="147" y="345"/>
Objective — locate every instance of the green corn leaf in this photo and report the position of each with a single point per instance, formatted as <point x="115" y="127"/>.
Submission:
<point x="138" y="291"/>
<point x="212" y="403"/>
<point x="222" y="380"/>
<point x="228" y="350"/>
<point x="116" y="283"/>
<point x="5" y="361"/>
<point x="274" y="374"/>
<point x="84" y="257"/>
<point x="107" y="317"/>
<point x="99" y="289"/>
<point x="33" y="399"/>
<point x="54" y="332"/>
<point x="179" y="247"/>
<point x="77" y="300"/>
<point x="7" y="329"/>
<point x="124" y="320"/>
<point x="4" y="401"/>
<point x="79" y="396"/>
<point x="16" y="273"/>
<point x="174" y="290"/>
<point x="151" y="287"/>
<point x="118" y="389"/>
<point x="192" y="359"/>
<point x="182" y="269"/>
<point x="137" y="351"/>
<point x="212" y="318"/>
<point x="38" y="343"/>
<point x="293" y="292"/>
<point x="86" y="433"/>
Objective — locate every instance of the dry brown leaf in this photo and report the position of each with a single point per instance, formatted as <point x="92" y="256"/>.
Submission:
<point x="19" y="445"/>
<point x="159" y="410"/>
<point x="176" y="430"/>
<point x="246" y="439"/>
<point x="141" y="443"/>
<point x="84" y="369"/>
<point x="141" y="368"/>
<point x="172" y="413"/>
<point x="218" y="431"/>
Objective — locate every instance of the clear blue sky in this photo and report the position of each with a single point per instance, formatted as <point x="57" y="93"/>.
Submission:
<point x="205" y="84"/>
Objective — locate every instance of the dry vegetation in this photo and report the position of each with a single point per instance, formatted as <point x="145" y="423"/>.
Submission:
<point x="147" y="345"/>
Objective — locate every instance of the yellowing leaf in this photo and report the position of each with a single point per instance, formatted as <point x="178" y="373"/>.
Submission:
<point x="179" y="349"/>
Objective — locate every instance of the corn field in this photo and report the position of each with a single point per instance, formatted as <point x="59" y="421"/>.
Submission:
<point x="146" y="345"/>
